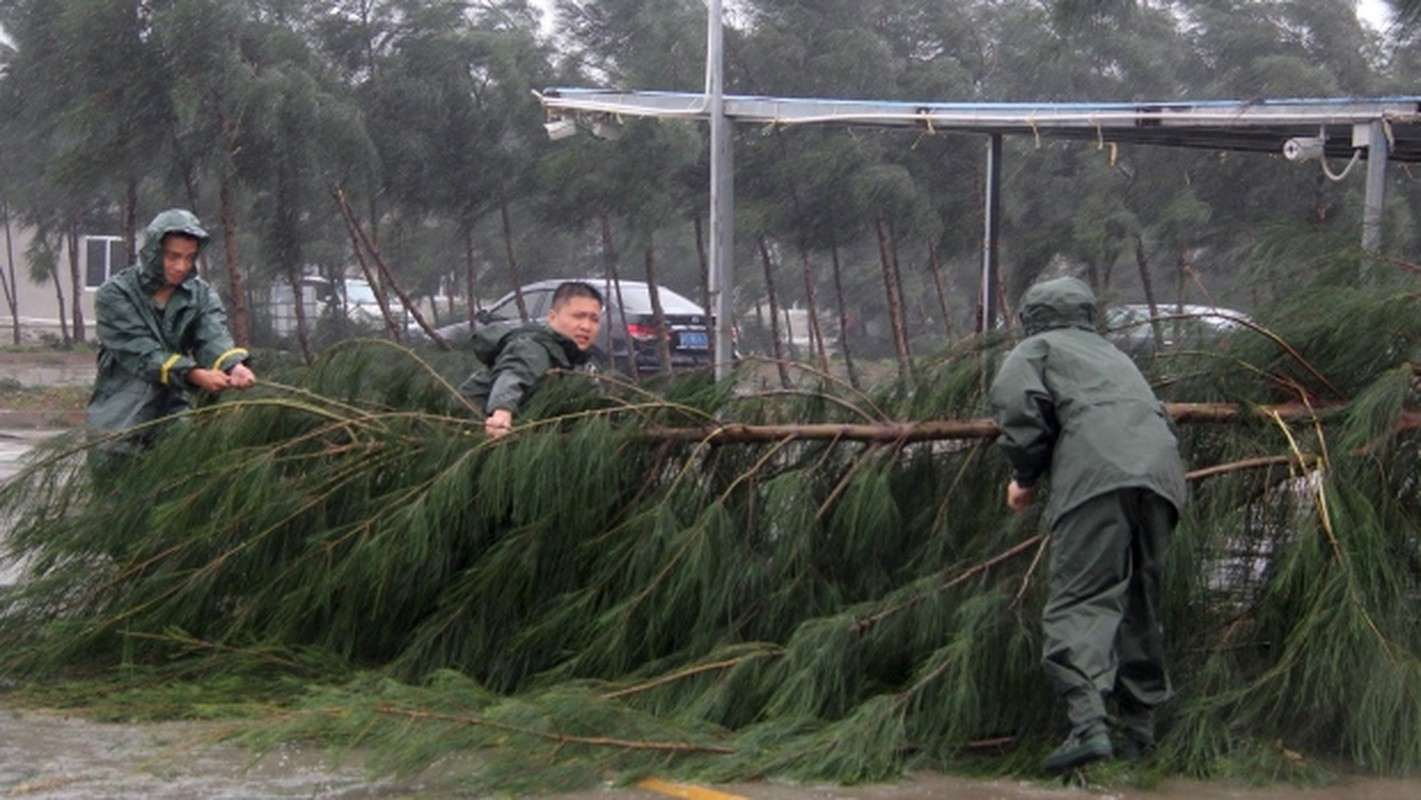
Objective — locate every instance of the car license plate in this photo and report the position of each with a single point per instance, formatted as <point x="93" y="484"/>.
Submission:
<point x="694" y="340"/>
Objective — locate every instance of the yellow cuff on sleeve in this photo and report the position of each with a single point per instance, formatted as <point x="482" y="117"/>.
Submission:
<point x="236" y="351"/>
<point x="167" y="365"/>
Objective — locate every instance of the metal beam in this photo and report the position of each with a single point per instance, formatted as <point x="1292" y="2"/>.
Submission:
<point x="1257" y="126"/>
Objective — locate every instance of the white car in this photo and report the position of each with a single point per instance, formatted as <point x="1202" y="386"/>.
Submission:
<point x="1132" y="327"/>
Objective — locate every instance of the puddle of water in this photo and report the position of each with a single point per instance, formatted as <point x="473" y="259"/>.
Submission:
<point x="15" y="443"/>
<point x="930" y="786"/>
<point x="51" y="756"/>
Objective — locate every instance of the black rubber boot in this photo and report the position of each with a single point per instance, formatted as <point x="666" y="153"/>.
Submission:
<point x="1083" y="746"/>
<point x="1137" y="731"/>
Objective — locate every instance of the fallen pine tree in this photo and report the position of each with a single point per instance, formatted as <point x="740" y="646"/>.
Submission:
<point x="689" y="577"/>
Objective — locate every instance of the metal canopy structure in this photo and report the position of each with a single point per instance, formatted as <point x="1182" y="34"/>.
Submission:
<point x="1377" y="130"/>
<point x="1261" y="126"/>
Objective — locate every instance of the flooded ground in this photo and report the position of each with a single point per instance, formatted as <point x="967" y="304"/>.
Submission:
<point x="45" y="754"/>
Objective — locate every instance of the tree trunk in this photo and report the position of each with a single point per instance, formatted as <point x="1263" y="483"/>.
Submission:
<point x="772" y="296"/>
<point x="903" y="305"/>
<point x="843" y="317"/>
<point x="357" y="237"/>
<point x="241" y="329"/>
<point x="513" y="271"/>
<point x="387" y="278"/>
<point x="663" y="331"/>
<point x="76" y="279"/>
<point x="1143" y="263"/>
<point x="895" y="310"/>
<point x="609" y="266"/>
<point x="303" y="330"/>
<point x="941" y="291"/>
<point x="705" y="287"/>
<point x="66" y="342"/>
<point x="1181" y="273"/>
<point x="1003" y="304"/>
<point x="130" y="222"/>
<point x="1092" y="277"/>
<point x="816" y="332"/>
<point x="12" y="288"/>
<point x="470" y="273"/>
<point x="986" y="428"/>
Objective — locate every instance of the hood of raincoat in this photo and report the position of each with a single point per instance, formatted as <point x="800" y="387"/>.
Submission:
<point x="150" y="257"/>
<point x="1058" y="303"/>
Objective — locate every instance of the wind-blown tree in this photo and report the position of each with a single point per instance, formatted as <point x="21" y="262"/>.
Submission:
<point x="9" y="278"/>
<point x="89" y="115"/>
<point x="796" y="180"/>
<point x="636" y="43"/>
<point x="699" y="583"/>
<point x="42" y="258"/>
<point x="262" y="117"/>
<point x="445" y="92"/>
<point x="214" y="58"/>
<point x="303" y="140"/>
<point x="626" y="189"/>
<point x="513" y="63"/>
<point x="430" y="72"/>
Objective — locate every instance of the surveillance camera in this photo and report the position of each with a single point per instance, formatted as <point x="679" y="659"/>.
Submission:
<point x="606" y="129"/>
<point x="560" y="128"/>
<point x="1303" y="148"/>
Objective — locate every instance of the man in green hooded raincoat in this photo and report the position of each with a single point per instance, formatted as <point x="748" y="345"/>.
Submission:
<point x="514" y="357"/>
<point x="162" y="332"/>
<point x="1072" y="406"/>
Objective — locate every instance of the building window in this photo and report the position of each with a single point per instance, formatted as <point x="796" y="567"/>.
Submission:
<point x="103" y="256"/>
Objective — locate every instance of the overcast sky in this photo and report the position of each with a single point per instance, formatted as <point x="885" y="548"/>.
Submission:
<point x="1372" y="12"/>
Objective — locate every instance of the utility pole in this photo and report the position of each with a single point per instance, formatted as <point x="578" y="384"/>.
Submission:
<point x="991" y="231"/>
<point x="722" y="196"/>
<point x="1373" y="136"/>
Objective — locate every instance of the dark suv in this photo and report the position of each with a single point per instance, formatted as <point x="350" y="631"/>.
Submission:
<point x="688" y="327"/>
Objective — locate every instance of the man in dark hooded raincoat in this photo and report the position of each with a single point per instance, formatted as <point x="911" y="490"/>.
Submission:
<point x="162" y="332"/>
<point x="1073" y="407"/>
<point x="514" y="357"/>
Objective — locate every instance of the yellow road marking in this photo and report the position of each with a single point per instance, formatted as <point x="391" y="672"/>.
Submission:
<point x="685" y="791"/>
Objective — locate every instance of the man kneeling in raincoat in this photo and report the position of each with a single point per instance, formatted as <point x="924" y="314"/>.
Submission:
<point x="162" y="332"/>
<point x="514" y="357"/>
<point x="1069" y="404"/>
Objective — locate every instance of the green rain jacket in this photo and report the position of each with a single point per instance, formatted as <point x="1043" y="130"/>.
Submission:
<point x="145" y="352"/>
<point x="1070" y="404"/>
<point x="513" y="358"/>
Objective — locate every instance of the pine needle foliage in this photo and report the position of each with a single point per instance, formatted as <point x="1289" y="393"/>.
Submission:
<point x="593" y="597"/>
